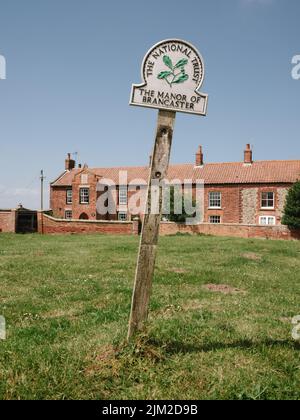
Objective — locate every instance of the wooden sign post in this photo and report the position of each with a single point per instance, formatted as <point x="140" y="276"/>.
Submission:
<point x="172" y="71"/>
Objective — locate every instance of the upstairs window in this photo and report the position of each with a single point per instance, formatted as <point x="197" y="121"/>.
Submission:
<point x="84" y="196"/>
<point x="215" y="199"/>
<point x="123" y="194"/>
<point x="267" y="200"/>
<point x="69" y="198"/>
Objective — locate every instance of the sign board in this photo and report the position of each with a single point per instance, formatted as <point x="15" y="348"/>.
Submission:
<point x="172" y="73"/>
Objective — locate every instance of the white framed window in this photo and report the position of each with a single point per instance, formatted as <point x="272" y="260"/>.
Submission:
<point x="69" y="198"/>
<point x="84" y="195"/>
<point x="84" y="178"/>
<point x="215" y="219"/>
<point x="215" y="200"/>
<point x="122" y="216"/>
<point x="267" y="200"/>
<point x="123" y="194"/>
<point x="267" y="220"/>
<point x="68" y="214"/>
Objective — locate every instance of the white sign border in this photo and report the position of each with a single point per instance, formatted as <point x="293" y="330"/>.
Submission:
<point x="141" y="85"/>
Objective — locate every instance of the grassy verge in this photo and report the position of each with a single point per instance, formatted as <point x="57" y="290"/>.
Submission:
<point x="219" y="326"/>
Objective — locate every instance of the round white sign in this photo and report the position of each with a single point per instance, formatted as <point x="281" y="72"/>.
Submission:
<point x="172" y="71"/>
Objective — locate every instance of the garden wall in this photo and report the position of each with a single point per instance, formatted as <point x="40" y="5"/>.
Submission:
<point x="48" y="224"/>
<point x="233" y="230"/>
<point x="8" y="221"/>
<point x="51" y="225"/>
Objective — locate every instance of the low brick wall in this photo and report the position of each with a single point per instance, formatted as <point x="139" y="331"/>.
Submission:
<point x="51" y="225"/>
<point x="233" y="230"/>
<point x="8" y="221"/>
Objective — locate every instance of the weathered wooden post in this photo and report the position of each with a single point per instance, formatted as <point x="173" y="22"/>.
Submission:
<point x="42" y="178"/>
<point x="172" y="71"/>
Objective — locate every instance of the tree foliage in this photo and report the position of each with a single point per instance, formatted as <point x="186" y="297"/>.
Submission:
<point x="176" y="205"/>
<point x="291" y="216"/>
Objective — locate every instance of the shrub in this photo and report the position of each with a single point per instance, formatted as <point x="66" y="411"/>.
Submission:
<point x="291" y="216"/>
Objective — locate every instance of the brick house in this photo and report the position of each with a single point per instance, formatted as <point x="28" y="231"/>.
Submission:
<point x="248" y="192"/>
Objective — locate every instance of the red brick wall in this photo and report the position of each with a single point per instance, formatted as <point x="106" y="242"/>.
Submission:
<point x="58" y="201"/>
<point x="88" y="209"/>
<point x="231" y="230"/>
<point x="50" y="225"/>
<point x="58" y="197"/>
<point x="232" y="202"/>
<point x="8" y="221"/>
<point x="230" y="211"/>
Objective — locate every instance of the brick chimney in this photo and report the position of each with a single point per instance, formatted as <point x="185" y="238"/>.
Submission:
<point x="199" y="157"/>
<point x="69" y="163"/>
<point x="248" y="156"/>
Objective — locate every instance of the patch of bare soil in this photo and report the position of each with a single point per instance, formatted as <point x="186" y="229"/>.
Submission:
<point x="285" y="320"/>
<point x="107" y="353"/>
<point x="252" y="256"/>
<point x="59" y="313"/>
<point x="222" y="288"/>
<point x="192" y="305"/>
<point x="167" y="312"/>
<point x="39" y="253"/>
<point x="104" y="362"/>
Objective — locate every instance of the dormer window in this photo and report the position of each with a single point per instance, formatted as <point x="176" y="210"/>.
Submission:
<point x="84" y="179"/>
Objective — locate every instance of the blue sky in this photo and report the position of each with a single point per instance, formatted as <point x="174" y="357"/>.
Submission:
<point x="71" y="63"/>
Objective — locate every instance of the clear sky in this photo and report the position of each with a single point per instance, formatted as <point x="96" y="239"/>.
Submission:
<point x="71" y="63"/>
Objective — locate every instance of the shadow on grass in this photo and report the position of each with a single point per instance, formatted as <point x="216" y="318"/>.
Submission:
<point x="174" y="347"/>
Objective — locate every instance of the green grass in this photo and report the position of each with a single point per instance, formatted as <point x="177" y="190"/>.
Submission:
<point x="66" y="300"/>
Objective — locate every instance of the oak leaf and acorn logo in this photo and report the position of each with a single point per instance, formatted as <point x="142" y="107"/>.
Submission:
<point x="176" y="74"/>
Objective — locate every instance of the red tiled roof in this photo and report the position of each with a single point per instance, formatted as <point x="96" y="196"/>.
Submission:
<point x="279" y="171"/>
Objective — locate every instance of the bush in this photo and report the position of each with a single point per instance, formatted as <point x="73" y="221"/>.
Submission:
<point x="174" y="205"/>
<point x="291" y="216"/>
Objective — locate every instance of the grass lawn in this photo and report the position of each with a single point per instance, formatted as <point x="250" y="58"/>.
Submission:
<point x="66" y="300"/>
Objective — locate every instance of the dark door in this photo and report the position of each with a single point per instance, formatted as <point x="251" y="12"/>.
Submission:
<point x="27" y="222"/>
<point x="83" y="216"/>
